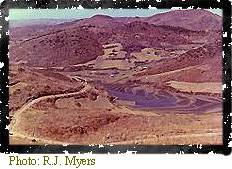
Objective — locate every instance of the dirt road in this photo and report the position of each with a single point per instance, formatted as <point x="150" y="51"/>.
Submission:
<point x="16" y="120"/>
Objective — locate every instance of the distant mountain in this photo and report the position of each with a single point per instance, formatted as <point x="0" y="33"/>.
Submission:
<point x="102" y="21"/>
<point x="81" y="41"/>
<point x="195" y="19"/>
<point x="31" y="22"/>
<point x="22" y="29"/>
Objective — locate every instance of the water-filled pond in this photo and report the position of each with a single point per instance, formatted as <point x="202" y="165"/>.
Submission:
<point x="142" y="98"/>
<point x="162" y="99"/>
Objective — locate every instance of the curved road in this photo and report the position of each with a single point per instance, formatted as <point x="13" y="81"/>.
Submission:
<point x="16" y="120"/>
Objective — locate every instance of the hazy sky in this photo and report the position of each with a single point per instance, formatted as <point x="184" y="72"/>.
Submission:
<point x="19" y="14"/>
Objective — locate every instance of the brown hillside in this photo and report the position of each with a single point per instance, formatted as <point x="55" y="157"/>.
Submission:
<point x="67" y="47"/>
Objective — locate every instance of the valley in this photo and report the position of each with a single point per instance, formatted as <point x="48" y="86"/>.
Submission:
<point x="128" y="80"/>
